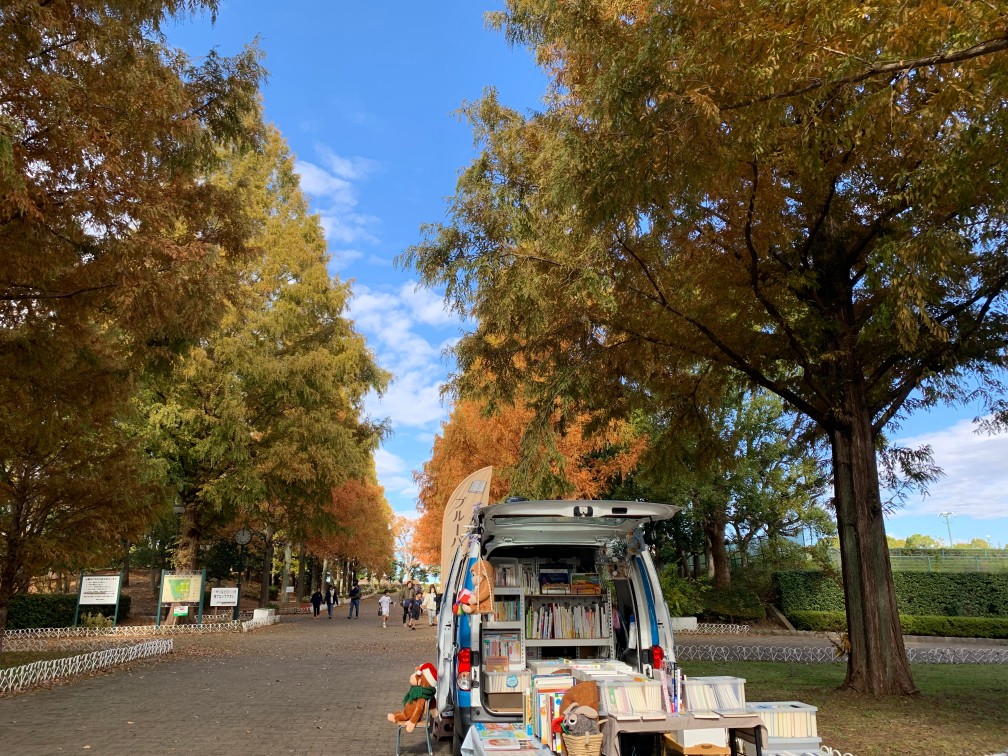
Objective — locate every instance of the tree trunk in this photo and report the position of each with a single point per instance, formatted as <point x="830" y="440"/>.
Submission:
<point x="877" y="663"/>
<point x="301" y="573"/>
<point x="714" y="525"/>
<point x="285" y="580"/>
<point x="189" y="538"/>
<point x="126" y="563"/>
<point x="267" y="570"/>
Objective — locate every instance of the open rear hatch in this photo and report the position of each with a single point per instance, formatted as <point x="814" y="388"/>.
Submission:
<point x="543" y="522"/>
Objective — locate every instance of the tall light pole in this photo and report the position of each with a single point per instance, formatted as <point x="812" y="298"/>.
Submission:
<point x="242" y="537"/>
<point x="948" y="517"/>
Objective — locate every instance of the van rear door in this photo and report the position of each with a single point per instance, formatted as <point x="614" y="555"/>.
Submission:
<point x="563" y="521"/>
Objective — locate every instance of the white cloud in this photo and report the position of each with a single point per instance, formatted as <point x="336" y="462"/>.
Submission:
<point x="352" y="168"/>
<point x="976" y="477"/>
<point x="333" y="191"/>
<point x="427" y="306"/>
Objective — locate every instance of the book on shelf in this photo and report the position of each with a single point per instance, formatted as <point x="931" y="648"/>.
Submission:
<point x="496" y="664"/>
<point x="786" y="719"/>
<point x="585" y="583"/>
<point x="716" y="692"/>
<point x="506" y="575"/>
<point x="554" y="581"/>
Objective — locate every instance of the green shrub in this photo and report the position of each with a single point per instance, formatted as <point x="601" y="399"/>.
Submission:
<point x="819" y="621"/>
<point x="31" y="610"/>
<point x="736" y="603"/>
<point x="967" y="594"/>
<point x="95" y="619"/>
<point x="683" y="595"/>
<point x="953" y="627"/>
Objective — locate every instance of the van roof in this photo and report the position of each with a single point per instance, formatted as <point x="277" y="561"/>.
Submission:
<point x="568" y="520"/>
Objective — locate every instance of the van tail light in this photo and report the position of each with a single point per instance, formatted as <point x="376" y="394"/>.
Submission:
<point x="463" y="676"/>
<point x="657" y="657"/>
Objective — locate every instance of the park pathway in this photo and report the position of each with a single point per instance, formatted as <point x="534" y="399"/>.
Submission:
<point x="303" y="686"/>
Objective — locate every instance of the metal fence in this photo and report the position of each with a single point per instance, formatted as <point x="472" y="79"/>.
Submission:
<point x="818" y="654"/>
<point x="18" y="678"/>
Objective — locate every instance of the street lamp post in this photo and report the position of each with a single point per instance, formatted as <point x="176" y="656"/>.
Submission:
<point x="242" y="537"/>
<point x="948" y="517"/>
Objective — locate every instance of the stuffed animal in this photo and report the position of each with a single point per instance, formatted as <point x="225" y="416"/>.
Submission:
<point x="480" y="598"/>
<point x="422" y="684"/>
<point x="580" y="720"/>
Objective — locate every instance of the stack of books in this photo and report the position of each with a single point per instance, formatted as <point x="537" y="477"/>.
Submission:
<point x="554" y="581"/>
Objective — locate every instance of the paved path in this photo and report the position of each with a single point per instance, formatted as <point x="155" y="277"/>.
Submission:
<point x="301" y="687"/>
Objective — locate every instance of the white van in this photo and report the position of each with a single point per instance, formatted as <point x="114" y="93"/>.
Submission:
<point x="571" y="580"/>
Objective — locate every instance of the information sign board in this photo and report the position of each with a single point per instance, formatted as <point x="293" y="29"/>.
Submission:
<point x="99" y="590"/>
<point x="223" y="597"/>
<point x="181" y="588"/>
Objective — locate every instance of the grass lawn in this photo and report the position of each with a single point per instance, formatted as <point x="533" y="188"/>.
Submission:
<point x="10" y="659"/>
<point x="962" y="709"/>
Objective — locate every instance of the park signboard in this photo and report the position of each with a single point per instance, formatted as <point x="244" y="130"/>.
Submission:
<point x="181" y="588"/>
<point x="98" y="590"/>
<point x="223" y="597"/>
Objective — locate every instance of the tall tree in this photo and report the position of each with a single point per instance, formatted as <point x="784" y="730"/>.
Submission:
<point x="364" y="536"/>
<point x="810" y="193"/>
<point x="531" y="457"/>
<point x="265" y="416"/>
<point x="114" y="252"/>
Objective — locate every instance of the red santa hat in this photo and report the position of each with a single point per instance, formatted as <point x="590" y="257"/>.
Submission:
<point x="428" y="674"/>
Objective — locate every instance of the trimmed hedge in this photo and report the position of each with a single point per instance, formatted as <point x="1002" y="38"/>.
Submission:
<point x="30" y="610"/>
<point x="737" y="603"/>
<point x="953" y="627"/>
<point x="954" y="594"/>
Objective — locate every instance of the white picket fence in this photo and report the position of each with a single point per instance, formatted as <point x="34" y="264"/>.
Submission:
<point x="825" y="655"/>
<point x="18" y="678"/>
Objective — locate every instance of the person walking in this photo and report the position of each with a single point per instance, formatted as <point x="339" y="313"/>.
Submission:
<point x="414" y="612"/>
<point x="330" y="592"/>
<point x="384" y="604"/>
<point x="354" y="601"/>
<point x="316" y="602"/>
<point x="430" y="605"/>
<point x="404" y="598"/>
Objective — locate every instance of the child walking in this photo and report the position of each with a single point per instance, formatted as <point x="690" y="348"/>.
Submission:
<point x="414" y="613"/>
<point x="383" y="605"/>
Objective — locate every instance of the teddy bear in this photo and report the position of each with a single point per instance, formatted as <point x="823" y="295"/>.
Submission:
<point x="422" y="684"/>
<point x="479" y="600"/>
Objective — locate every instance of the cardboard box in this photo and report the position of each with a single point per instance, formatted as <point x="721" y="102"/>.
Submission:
<point x="701" y="736"/>
<point x="671" y="747"/>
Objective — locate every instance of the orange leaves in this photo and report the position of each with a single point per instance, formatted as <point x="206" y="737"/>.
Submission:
<point x="578" y="464"/>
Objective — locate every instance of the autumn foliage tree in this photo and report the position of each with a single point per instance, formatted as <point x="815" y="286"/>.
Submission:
<point x="264" y="418"/>
<point x="809" y="193"/>
<point x="363" y="538"/>
<point x="115" y="252"/>
<point x="530" y="458"/>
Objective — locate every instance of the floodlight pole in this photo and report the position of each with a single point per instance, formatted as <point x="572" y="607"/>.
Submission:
<point x="948" y="516"/>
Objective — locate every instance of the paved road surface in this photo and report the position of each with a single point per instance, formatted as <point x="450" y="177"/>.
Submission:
<point x="301" y="687"/>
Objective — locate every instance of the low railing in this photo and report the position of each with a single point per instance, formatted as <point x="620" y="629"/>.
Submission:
<point x="819" y="654"/>
<point x="27" y="675"/>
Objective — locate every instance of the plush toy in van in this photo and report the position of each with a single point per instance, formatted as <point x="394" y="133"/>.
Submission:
<point x="479" y="600"/>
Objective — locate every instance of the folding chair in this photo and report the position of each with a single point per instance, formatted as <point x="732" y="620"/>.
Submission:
<point x="424" y="724"/>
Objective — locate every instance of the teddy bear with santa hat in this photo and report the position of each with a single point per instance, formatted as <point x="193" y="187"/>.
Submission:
<point x="422" y="684"/>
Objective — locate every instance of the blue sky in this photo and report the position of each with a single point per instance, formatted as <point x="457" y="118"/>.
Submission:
<point x="366" y="95"/>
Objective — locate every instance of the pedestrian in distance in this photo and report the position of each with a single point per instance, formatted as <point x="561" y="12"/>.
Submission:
<point x="384" y="604"/>
<point x="415" y="608"/>
<point x="430" y="605"/>
<point x="354" y="601"/>
<point x="330" y="593"/>
<point x="405" y="594"/>
<point x="316" y="602"/>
